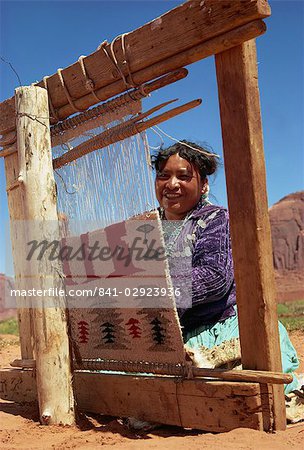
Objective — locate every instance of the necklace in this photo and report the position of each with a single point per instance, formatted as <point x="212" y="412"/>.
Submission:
<point x="172" y="229"/>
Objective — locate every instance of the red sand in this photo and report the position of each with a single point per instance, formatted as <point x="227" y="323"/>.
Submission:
<point x="19" y="428"/>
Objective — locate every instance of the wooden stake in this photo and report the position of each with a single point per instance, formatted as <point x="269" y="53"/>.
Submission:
<point x="51" y="343"/>
<point x="250" y="229"/>
<point x="15" y="198"/>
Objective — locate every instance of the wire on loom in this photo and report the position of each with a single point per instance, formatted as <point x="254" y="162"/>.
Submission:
<point x="184" y="143"/>
<point x="149" y="182"/>
<point x="64" y="183"/>
<point x="162" y="141"/>
<point x="12" y="67"/>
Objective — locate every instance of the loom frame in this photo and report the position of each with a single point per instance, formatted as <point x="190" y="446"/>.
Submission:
<point x="229" y="35"/>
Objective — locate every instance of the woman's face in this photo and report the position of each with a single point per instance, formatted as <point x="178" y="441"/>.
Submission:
<point x="178" y="187"/>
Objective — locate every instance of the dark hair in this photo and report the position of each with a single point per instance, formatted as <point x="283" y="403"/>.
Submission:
<point x="205" y="162"/>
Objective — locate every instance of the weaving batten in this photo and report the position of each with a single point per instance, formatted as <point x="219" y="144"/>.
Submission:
<point x="109" y="111"/>
<point x="120" y="132"/>
<point x="102" y="120"/>
<point x="123" y="100"/>
<point x="115" y="133"/>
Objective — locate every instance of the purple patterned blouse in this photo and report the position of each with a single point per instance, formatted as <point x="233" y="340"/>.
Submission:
<point x="206" y="234"/>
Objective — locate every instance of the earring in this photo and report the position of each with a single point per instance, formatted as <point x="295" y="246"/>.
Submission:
<point x="205" y="192"/>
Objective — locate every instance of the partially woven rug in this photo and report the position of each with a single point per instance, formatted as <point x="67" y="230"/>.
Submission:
<point x="127" y="307"/>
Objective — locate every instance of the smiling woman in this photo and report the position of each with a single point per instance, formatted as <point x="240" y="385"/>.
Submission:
<point x="178" y="187"/>
<point x="195" y="228"/>
<point x="181" y="178"/>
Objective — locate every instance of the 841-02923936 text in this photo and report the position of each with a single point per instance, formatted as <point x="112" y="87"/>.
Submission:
<point x="137" y="292"/>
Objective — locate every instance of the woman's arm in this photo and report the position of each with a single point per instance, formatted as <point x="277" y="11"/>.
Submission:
<point x="212" y="271"/>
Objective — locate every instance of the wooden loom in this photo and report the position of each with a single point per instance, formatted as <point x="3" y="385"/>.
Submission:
<point x="186" y="34"/>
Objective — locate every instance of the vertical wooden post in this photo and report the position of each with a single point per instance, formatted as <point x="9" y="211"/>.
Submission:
<point x="237" y="79"/>
<point x="51" y="346"/>
<point x="16" y="212"/>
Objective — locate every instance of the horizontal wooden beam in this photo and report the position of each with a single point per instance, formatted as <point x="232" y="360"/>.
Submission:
<point x="252" y="376"/>
<point x="206" y="405"/>
<point x="174" y="33"/>
<point x="189" y="56"/>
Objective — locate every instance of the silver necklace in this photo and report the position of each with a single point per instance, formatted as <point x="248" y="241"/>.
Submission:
<point x="172" y="229"/>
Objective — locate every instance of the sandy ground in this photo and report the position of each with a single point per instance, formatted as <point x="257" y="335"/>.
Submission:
<point x="20" y="429"/>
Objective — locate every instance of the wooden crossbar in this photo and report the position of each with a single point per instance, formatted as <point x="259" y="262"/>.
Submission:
<point x="186" y="34"/>
<point x="253" y="376"/>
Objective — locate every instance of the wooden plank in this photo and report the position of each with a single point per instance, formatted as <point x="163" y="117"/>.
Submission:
<point x="18" y="385"/>
<point x="247" y="198"/>
<point x="51" y="341"/>
<point x="181" y="29"/>
<point x="220" y="403"/>
<point x="207" y="405"/>
<point x="15" y="199"/>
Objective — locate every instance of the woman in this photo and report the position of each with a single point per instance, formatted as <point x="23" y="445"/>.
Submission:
<point x="201" y="230"/>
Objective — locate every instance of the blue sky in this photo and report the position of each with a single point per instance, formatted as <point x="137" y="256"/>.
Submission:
<point x="38" y="37"/>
